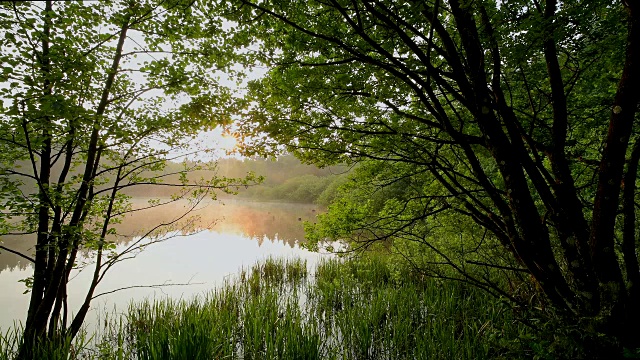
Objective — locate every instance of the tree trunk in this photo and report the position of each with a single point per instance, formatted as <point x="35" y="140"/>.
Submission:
<point x="612" y="289"/>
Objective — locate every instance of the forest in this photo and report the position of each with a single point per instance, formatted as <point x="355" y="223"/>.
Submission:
<point x="488" y="148"/>
<point x="283" y="178"/>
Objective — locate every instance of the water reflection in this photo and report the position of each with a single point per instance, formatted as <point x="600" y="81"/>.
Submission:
<point x="272" y="221"/>
<point x="23" y="244"/>
<point x="242" y="232"/>
<point x="260" y="221"/>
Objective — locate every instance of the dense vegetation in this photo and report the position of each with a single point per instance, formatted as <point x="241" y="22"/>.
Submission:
<point x="286" y="179"/>
<point x="498" y="135"/>
<point x="365" y="308"/>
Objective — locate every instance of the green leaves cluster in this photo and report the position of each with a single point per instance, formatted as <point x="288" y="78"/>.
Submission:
<point x="513" y="120"/>
<point x="96" y="98"/>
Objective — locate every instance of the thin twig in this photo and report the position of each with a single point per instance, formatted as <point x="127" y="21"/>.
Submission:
<point x="156" y="286"/>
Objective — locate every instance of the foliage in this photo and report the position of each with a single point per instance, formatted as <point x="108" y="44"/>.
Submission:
<point x="96" y="97"/>
<point x="275" y="170"/>
<point x="373" y="210"/>
<point x="286" y="179"/>
<point x="515" y="120"/>
<point x="303" y="189"/>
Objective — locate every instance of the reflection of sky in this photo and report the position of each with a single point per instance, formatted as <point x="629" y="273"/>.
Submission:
<point x="261" y="221"/>
<point x="207" y="257"/>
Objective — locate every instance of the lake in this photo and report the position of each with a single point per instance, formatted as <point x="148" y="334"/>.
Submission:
<point x="236" y="234"/>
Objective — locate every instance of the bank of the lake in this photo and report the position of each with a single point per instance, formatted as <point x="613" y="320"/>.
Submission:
<point x="353" y="309"/>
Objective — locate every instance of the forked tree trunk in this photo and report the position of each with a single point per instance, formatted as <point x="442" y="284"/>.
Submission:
<point x="50" y="277"/>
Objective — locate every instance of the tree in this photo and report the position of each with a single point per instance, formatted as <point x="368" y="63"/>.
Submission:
<point x="523" y="113"/>
<point x="97" y="97"/>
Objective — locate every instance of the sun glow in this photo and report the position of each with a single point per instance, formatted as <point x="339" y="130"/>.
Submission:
<point x="214" y="144"/>
<point x="227" y="143"/>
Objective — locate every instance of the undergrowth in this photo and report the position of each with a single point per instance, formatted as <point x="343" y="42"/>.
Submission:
<point x="343" y="309"/>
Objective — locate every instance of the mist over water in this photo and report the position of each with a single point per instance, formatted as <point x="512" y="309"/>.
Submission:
<point x="229" y="234"/>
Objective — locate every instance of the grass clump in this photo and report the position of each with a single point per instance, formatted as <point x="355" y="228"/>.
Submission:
<point x="376" y="314"/>
<point x="344" y="309"/>
<point x="53" y="348"/>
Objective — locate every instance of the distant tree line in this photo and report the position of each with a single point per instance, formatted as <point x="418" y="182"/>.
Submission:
<point x="286" y="179"/>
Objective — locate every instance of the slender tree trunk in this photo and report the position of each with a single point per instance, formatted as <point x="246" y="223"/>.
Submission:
<point x="571" y="223"/>
<point x="613" y="292"/>
<point x="32" y="330"/>
<point x="56" y="230"/>
<point x="50" y="293"/>
<point x="530" y="236"/>
<point x="632" y="310"/>
<point x="82" y="312"/>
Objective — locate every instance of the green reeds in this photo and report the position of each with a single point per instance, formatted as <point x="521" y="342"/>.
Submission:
<point x="198" y="329"/>
<point x="353" y="309"/>
<point x="51" y="348"/>
<point x="373" y="314"/>
<point x="344" y="309"/>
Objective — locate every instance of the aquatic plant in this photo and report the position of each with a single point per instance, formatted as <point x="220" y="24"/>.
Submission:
<point x="345" y="309"/>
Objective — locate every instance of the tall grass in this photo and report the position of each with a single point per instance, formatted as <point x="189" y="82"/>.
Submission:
<point x="376" y="314"/>
<point x="57" y="348"/>
<point x="344" y="309"/>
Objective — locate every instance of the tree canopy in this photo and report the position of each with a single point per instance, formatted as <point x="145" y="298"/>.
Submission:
<point x="96" y="97"/>
<point x="515" y="118"/>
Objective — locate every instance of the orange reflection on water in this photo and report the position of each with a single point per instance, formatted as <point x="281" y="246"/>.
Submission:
<point x="257" y="220"/>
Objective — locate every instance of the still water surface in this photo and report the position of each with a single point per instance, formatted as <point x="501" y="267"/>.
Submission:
<point x="239" y="234"/>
